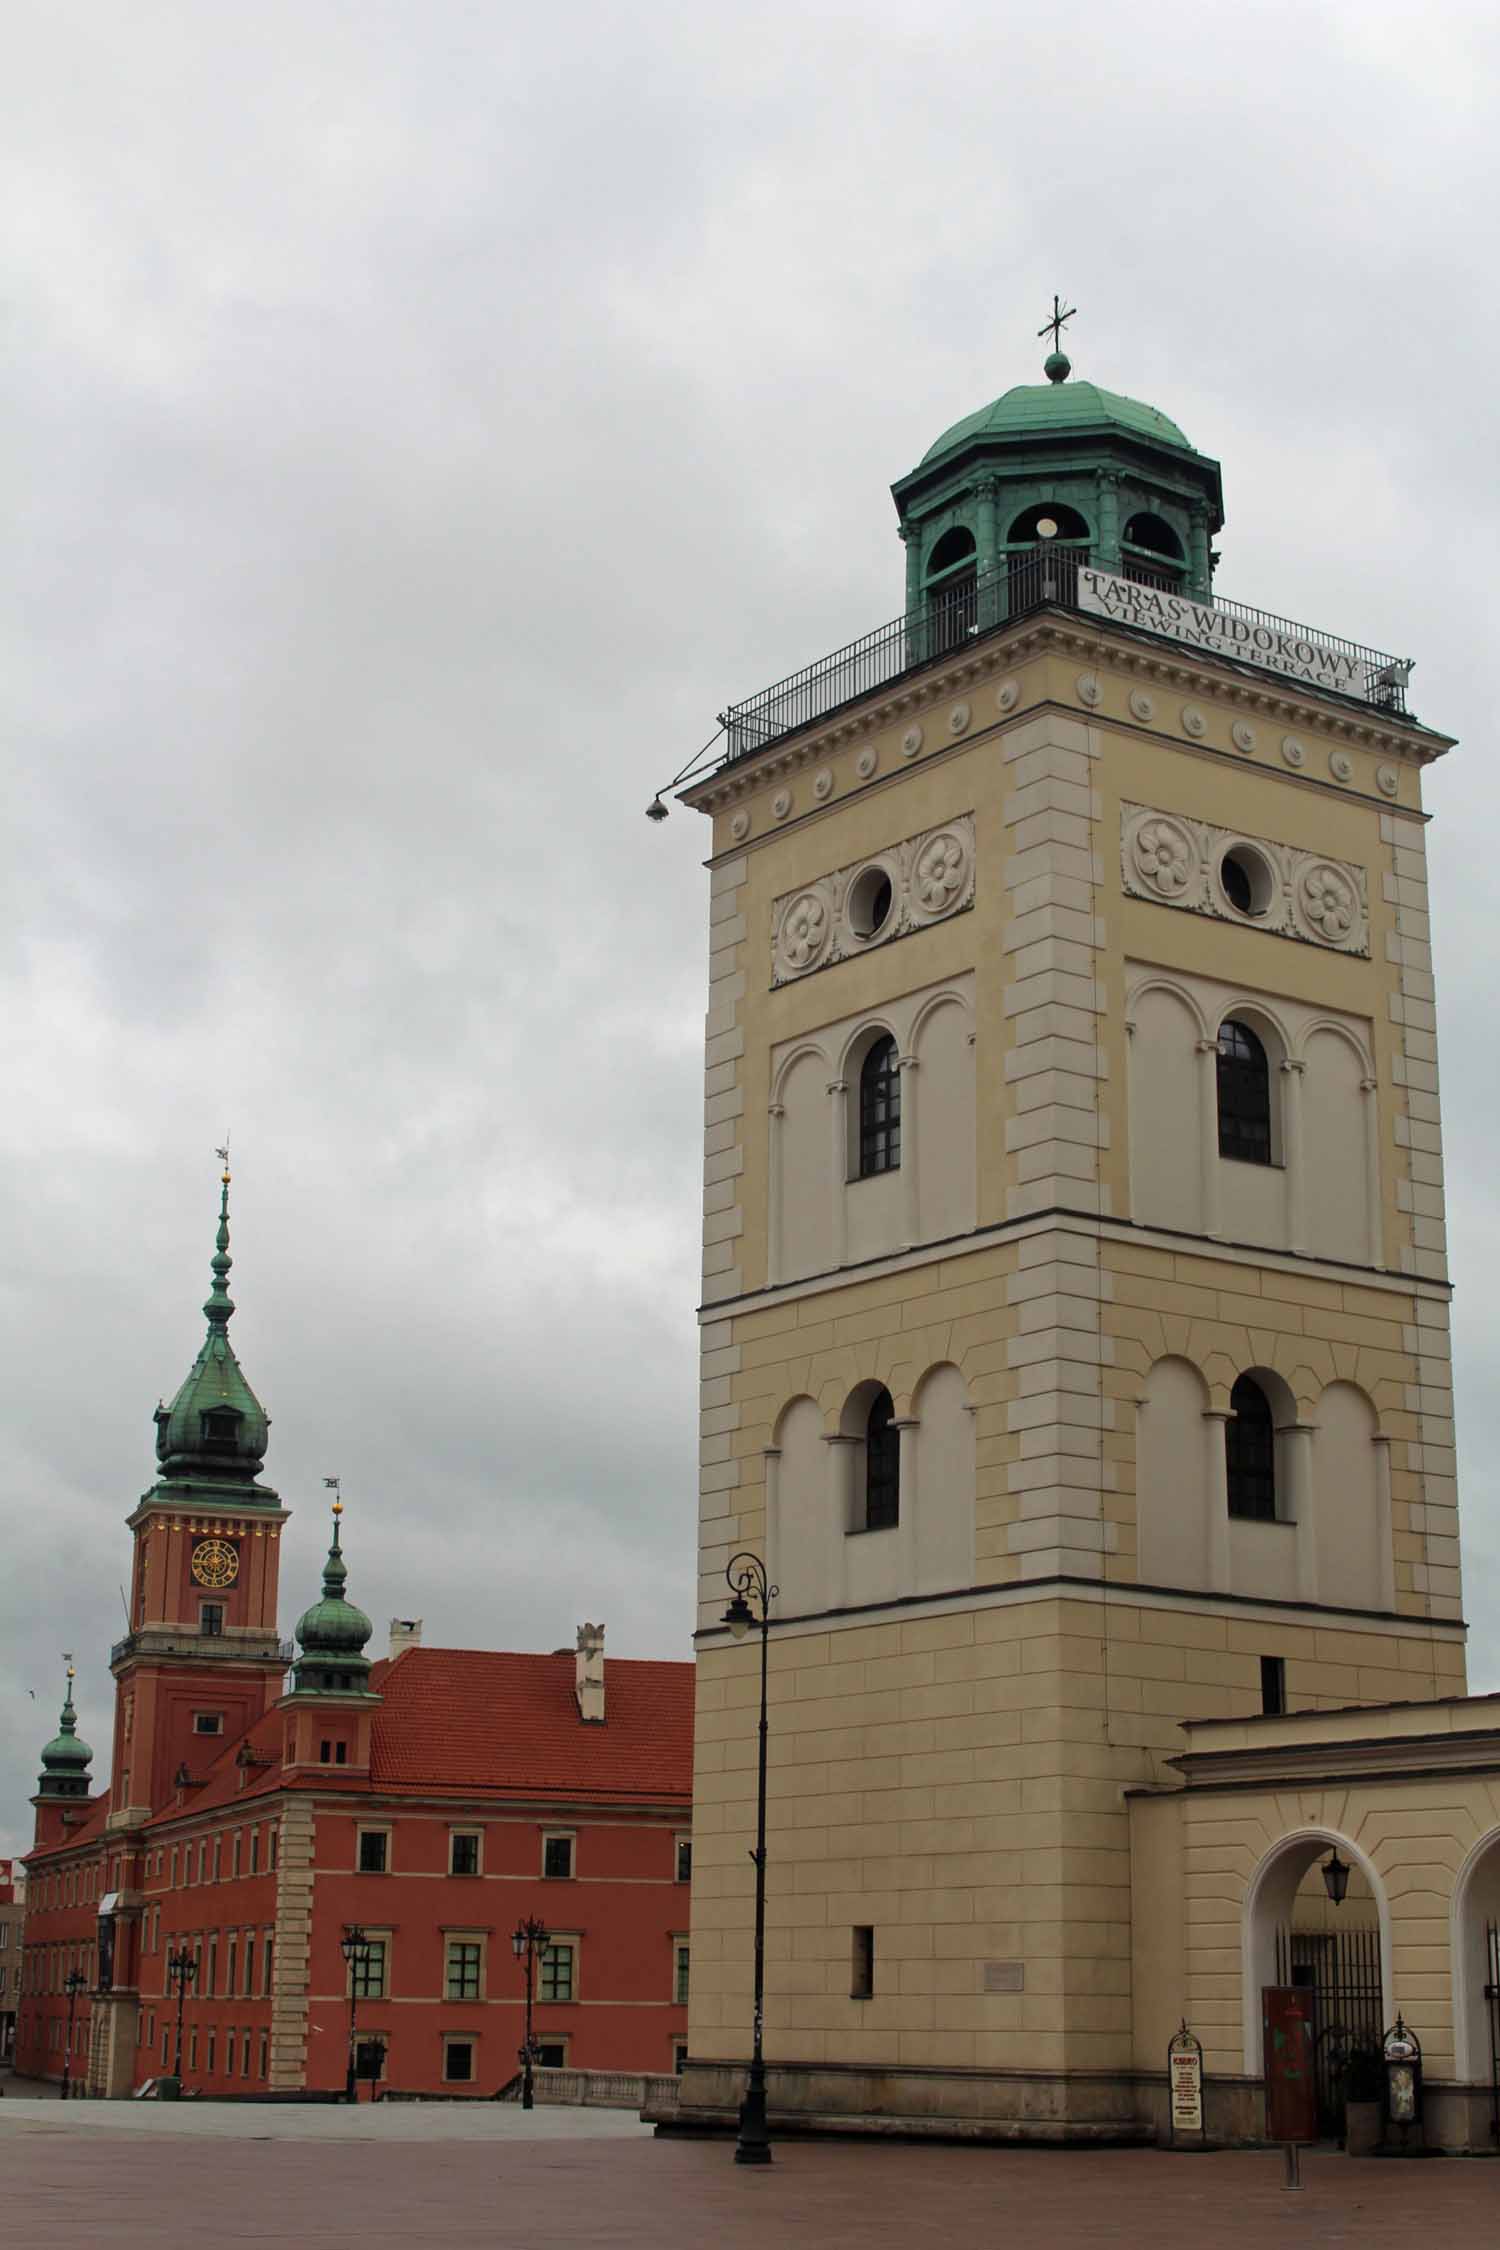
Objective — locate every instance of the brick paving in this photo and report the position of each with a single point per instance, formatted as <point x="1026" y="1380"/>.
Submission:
<point x="82" y="2186"/>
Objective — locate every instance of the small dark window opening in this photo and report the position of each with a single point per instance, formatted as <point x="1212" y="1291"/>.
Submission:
<point x="1244" y="1094"/>
<point x="879" y="1110"/>
<point x="1070" y="526"/>
<point x="341" y="1753"/>
<point x="219" y="1429"/>
<point x="1152" y="551"/>
<point x="1272" y="1685"/>
<point x="1250" y="1453"/>
<point x="882" y="1466"/>
<point x="211" y="1619"/>
<point x="1236" y="884"/>
<point x="552" y="2054"/>
<point x="952" y="589"/>
<point x="862" y="1964"/>
<point x="684" y="1859"/>
<point x="325" y="1753"/>
<point x="208" y="1722"/>
<point x="464" y="1854"/>
<point x="557" y="1858"/>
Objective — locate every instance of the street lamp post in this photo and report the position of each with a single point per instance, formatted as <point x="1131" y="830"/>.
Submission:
<point x="528" y="1939"/>
<point x="182" y="1968"/>
<point x="355" y="1947"/>
<point x="73" y="1984"/>
<point x="749" y="1580"/>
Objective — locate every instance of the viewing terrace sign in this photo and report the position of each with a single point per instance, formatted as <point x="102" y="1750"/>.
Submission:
<point x="1266" y="641"/>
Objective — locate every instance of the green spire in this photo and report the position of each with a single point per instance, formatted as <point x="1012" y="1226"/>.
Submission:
<point x="66" y="1759"/>
<point x="215" y="1429"/>
<point x="333" y="1632"/>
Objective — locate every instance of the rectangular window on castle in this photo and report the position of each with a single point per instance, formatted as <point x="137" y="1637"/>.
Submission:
<point x="255" y="1851"/>
<point x="559" y="1964"/>
<point x="463" y="1969"/>
<point x="374" y="1852"/>
<point x="463" y="1851"/>
<point x="684" y="1859"/>
<point x="458" y="2061"/>
<point x="249" y="1961"/>
<point x="862" y="1967"/>
<point x="680" y="1960"/>
<point x="234" y="1853"/>
<point x="1272" y="1686"/>
<point x="265" y="2054"/>
<point x="557" y="1858"/>
<point x="367" y="1971"/>
<point x="267" y="1957"/>
<point x="211" y="1619"/>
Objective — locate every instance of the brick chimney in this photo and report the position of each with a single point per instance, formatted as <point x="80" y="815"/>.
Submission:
<point x="588" y="1677"/>
<point x="406" y="1632"/>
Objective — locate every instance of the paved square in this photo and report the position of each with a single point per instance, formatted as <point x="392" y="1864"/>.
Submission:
<point x="123" y="2175"/>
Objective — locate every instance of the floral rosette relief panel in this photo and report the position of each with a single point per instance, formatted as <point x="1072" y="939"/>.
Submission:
<point x="1174" y="861"/>
<point x="904" y="888"/>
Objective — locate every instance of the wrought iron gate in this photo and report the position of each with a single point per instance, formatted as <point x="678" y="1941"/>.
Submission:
<point x="1492" y="1999"/>
<point x="1342" y="1970"/>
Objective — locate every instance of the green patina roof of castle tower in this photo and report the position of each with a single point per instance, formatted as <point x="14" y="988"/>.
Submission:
<point x="229" y="1444"/>
<point x="1059" y="408"/>
<point x="66" y="1753"/>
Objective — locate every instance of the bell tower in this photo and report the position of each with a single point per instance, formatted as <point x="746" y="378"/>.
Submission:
<point x="202" y="1660"/>
<point x="1074" y="1299"/>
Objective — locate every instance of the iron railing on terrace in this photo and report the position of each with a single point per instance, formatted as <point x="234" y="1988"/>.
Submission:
<point x="968" y="609"/>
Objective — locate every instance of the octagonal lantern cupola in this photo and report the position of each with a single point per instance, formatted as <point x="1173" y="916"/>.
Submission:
<point x="1045" y="477"/>
<point x="66" y="1759"/>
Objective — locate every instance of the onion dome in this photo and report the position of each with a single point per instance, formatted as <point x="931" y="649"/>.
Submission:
<point x="215" y="1429"/>
<point x="332" y="1633"/>
<point x="66" y="1759"/>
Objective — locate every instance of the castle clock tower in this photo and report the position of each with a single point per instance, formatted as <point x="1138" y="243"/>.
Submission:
<point x="1074" y="1327"/>
<point x="202" y="1660"/>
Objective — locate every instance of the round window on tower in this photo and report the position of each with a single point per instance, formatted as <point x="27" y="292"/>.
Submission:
<point x="869" y="902"/>
<point x="1246" y="880"/>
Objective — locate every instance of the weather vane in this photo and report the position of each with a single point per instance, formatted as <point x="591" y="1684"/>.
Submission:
<point x="223" y="1154"/>
<point x="332" y="1484"/>
<point x="1054" y="326"/>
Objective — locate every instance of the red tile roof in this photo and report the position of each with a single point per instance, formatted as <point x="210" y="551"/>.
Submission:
<point x="90" y="1827"/>
<point x="460" y="1721"/>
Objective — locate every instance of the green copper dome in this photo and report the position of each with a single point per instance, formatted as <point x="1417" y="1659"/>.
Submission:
<point x="333" y="1633"/>
<point x="216" y="1427"/>
<point x="66" y="1759"/>
<point x="1057" y="408"/>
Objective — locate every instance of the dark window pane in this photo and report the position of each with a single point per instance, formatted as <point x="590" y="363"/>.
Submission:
<point x="1250" y="1453"/>
<point x="465" y="1855"/>
<point x="557" y="1857"/>
<point x="372" y="1851"/>
<point x="882" y="1467"/>
<point x="879" y="1110"/>
<point x="1244" y="1095"/>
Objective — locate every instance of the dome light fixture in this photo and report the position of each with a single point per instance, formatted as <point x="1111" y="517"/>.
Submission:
<point x="1046" y="528"/>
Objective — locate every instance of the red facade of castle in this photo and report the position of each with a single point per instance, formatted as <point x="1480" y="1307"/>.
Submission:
<point x="429" y="1804"/>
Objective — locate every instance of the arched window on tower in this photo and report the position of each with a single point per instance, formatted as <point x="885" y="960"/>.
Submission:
<point x="879" y="1110"/>
<point x="882" y="1466"/>
<point x="1244" y="1079"/>
<point x="1043" y="549"/>
<point x="1152" y="552"/>
<point x="1250" y="1452"/>
<point x="952" y="589"/>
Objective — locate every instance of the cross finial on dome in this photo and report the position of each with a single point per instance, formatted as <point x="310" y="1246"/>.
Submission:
<point x="1057" y="367"/>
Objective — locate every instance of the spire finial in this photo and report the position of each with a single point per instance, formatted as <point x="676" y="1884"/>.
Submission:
<point x="1057" y="366"/>
<point x="220" y="1305"/>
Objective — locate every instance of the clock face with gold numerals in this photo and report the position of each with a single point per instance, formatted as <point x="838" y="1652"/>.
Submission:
<point x="215" y="1563"/>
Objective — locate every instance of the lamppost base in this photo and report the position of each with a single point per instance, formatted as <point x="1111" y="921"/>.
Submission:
<point x="753" y="2145"/>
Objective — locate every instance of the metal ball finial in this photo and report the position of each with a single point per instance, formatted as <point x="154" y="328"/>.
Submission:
<point x="1057" y="367"/>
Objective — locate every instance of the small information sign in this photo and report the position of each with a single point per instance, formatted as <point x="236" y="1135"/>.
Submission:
<point x="1185" y="2085"/>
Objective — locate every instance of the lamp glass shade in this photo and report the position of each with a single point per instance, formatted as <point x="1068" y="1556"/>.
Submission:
<point x="1335" y="1873"/>
<point x="518" y="1942"/>
<point x="738" y="1617"/>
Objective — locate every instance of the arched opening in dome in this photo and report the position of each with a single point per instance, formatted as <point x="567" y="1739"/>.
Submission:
<point x="951" y="585"/>
<point x="1043" y="548"/>
<point x="1152" y="552"/>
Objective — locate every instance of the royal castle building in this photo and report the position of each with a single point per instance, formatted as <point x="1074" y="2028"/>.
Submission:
<point x="1075" y="1336"/>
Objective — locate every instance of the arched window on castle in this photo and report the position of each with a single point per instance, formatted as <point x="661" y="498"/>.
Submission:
<point x="1244" y="1080"/>
<point x="1152" y="552"/>
<point x="879" y="1110"/>
<point x="1043" y="549"/>
<point x="882" y="1495"/>
<point x="952" y="589"/>
<point x="1250" y="1453"/>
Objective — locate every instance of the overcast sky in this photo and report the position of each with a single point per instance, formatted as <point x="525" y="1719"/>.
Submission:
<point x="418" y="421"/>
